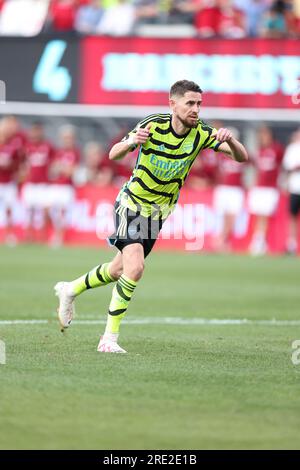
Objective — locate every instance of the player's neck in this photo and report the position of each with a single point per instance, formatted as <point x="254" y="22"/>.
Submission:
<point x="178" y="126"/>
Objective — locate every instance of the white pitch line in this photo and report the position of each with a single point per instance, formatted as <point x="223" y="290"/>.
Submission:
<point x="166" y="321"/>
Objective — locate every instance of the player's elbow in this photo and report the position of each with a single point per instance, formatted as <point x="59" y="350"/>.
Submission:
<point x="112" y="154"/>
<point x="245" y="156"/>
<point x="242" y="156"/>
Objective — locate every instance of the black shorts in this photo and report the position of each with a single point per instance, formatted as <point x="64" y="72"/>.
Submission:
<point x="131" y="227"/>
<point x="294" y="204"/>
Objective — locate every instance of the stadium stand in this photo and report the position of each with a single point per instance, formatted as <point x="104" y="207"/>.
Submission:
<point x="203" y="18"/>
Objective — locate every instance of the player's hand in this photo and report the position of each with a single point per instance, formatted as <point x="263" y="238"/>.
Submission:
<point x="142" y="134"/>
<point x="224" y="135"/>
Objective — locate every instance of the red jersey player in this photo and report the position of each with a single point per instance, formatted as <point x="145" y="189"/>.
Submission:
<point x="229" y="197"/>
<point x="39" y="155"/>
<point x="264" y="196"/>
<point x="65" y="162"/>
<point x="204" y="172"/>
<point x="9" y="163"/>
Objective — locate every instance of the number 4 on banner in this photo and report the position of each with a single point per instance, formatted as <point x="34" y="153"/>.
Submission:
<point x="49" y="77"/>
<point x="2" y="352"/>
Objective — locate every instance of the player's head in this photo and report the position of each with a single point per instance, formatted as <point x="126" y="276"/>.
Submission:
<point x="11" y="125"/>
<point x="67" y="136"/>
<point x="185" y="102"/>
<point x="265" y="136"/>
<point x="94" y="154"/>
<point x="36" y="131"/>
<point x="3" y="134"/>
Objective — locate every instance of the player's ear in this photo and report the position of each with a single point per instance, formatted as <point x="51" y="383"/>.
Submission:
<point x="172" y="103"/>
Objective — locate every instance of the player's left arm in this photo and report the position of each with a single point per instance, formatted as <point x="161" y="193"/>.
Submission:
<point x="231" y="146"/>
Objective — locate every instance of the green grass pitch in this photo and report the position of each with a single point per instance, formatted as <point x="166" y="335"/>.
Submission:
<point x="182" y="386"/>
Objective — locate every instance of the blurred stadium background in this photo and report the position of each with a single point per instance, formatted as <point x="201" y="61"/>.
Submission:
<point x="79" y="74"/>
<point x="76" y="76"/>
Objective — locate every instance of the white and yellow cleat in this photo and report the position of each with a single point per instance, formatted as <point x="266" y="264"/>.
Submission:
<point x="66" y="308"/>
<point x="108" y="344"/>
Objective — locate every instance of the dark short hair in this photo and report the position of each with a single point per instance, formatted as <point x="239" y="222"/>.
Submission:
<point x="182" y="86"/>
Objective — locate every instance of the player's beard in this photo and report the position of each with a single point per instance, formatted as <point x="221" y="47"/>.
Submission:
<point x="187" y="123"/>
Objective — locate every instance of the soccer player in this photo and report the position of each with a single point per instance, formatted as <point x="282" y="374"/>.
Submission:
<point x="168" y="145"/>
<point x="264" y="196"/>
<point x="62" y="169"/>
<point x="228" y="198"/>
<point x="9" y="165"/>
<point x="35" y="192"/>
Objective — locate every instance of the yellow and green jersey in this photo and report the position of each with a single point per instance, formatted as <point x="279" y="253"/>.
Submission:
<point x="163" y="165"/>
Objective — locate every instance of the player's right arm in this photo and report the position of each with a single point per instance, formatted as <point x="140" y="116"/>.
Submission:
<point x="135" y="138"/>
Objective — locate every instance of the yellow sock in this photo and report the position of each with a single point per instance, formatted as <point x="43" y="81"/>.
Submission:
<point x="99" y="276"/>
<point x="121" y="297"/>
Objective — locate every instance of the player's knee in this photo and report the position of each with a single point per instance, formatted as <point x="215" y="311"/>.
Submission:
<point x="136" y="270"/>
<point x="133" y="261"/>
<point x="116" y="272"/>
<point x="116" y="267"/>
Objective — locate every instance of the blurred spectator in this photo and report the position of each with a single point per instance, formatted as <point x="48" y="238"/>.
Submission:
<point x="219" y="18"/>
<point x="9" y="165"/>
<point x="291" y="163"/>
<point x="23" y="17"/>
<point x="97" y="169"/>
<point x="274" y="23"/>
<point x="264" y="196"/>
<point x="61" y="191"/>
<point x="180" y="12"/>
<point x="88" y="17"/>
<point x="204" y="172"/>
<point x="123" y="168"/>
<point x="253" y="11"/>
<point x="62" y="13"/>
<point x="296" y="13"/>
<point x="39" y="155"/>
<point x="206" y="19"/>
<point x="147" y="11"/>
<point x="118" y="20"/>
<point x="212" y="18"/>
<point x="15" y="135"/>
<point x="232" y="23"/>
<point x="67" y="157"/>
<point x="292" y="17"/>
<point x="228" y="197"/>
